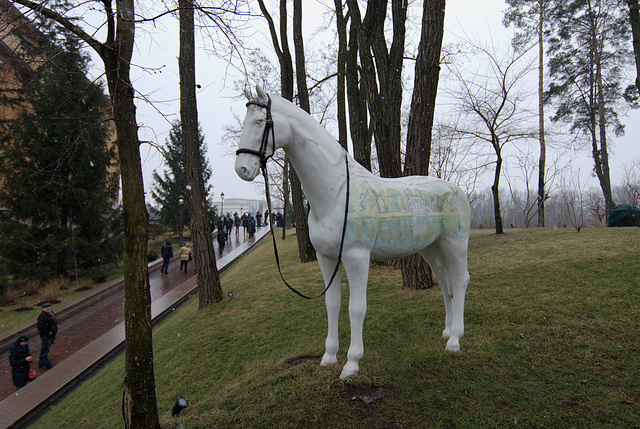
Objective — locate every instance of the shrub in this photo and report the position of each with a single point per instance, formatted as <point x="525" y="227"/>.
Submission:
<point x="52" y="290"/>
<point x="9" y="296"/>
<point x="100" y="274"/>
<point x="31" y="287"/>
<point x="152" y="256"/>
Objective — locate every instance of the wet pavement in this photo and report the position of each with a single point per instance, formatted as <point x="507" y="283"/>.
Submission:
<point x="81" y="329"/>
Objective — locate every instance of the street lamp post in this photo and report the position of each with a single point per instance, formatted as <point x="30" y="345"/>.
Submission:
<point x="222" y="204"/>
<point x="181" y="203"/>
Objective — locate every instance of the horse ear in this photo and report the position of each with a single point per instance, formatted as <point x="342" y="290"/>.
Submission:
<point x="247" y="93"/>
<point x="262" y="96"/>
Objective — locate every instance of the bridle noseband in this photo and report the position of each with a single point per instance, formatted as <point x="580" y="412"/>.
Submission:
<point x="268" y="128"/>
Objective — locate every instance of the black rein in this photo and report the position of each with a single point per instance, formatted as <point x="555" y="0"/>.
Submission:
<point x="262" y="154"/>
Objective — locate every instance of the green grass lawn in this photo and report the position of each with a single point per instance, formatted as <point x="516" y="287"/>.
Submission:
<point x="552" y="340"/>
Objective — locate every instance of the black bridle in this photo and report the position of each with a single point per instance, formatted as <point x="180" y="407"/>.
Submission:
<point x="262" y="154"/>
<point x="268" y="128"/>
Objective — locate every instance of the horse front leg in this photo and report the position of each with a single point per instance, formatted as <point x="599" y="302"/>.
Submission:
<point x="332" y="301"/>
<point x="357" y="267"/>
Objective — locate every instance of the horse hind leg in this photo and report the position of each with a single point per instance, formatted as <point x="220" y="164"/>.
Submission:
<point x="448" y="260"/>
<point x="332" y="302"/>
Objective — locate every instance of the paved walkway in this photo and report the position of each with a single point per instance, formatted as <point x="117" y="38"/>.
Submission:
<point x="91" y="330"/>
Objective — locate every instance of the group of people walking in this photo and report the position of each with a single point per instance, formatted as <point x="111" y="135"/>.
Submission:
<point x="224" y="226"/>
<point x="20" y="357"/>
<point x="185" y="255"/>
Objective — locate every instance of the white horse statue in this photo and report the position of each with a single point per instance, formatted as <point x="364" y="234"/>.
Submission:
<point x="387" y="218"/>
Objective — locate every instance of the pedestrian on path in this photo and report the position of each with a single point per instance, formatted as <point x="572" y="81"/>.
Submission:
<point x="222" y="239"/>
<point x="167" y="254"/>
<point x="251" y="227"/>
<point x="237" y="222"/>
<point x="185" y="256"/>
<point x="48" y="328"/>
<point x="20" y="360"/>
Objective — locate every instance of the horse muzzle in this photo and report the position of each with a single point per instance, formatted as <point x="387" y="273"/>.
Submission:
<point x="247" y="166"/>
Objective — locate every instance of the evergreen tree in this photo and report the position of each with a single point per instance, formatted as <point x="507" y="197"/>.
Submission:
<point x="55" y="162"/>
<point x="168" y="187"/>
<point x="589" y="54"/>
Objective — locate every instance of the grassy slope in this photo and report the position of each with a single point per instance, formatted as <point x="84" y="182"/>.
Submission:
<point x="552" y="340"/>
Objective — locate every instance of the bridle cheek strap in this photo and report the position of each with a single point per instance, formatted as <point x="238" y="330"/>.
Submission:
<point x="268" y="128"/>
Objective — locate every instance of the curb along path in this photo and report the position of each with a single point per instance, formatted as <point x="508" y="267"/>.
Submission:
<point x="91" y="330"/>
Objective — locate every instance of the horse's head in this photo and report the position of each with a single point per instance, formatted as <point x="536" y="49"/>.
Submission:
<point x="260" y="136"/>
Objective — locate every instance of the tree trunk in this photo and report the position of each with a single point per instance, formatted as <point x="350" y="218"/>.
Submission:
<point x="385" y="100"/>
<point x="634" y="18"/>
<point x="416" y="273"/>
<point x="141" y="410"/>
<point x="341" y="27"/>
<point x="285" y="195"/>
<point x="305" y="248"/>
<point x="208" y="279"/>
<point x="495" y="192"/>
<point x="358" y="115"/>
<point x="543" y="147"/>
<point x="601" y="156"/>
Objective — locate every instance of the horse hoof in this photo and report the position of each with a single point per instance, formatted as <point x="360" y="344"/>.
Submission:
<point x="349" y="370"/>
<point x="328" y="360"/>
<point x="453" y="347"/>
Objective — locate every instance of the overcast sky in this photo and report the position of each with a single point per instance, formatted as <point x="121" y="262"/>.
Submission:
<point x="157" y="49"/>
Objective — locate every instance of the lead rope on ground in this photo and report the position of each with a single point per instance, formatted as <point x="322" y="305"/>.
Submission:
<point x="263" y="167"/>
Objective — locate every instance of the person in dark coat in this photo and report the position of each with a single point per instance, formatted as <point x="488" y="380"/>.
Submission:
<point x="222" y="239"/>
<point x="258" y="219"/>
<point x="245" y="222"/>
<point x="237" y="222"/>
<point x="48" y="328"/>
<point x="251" y="226"/>
<point x="167" y="254"/>
<point x="220" y="223"/>
<point x="20" y="361"/>
<point x="228" y="224"/>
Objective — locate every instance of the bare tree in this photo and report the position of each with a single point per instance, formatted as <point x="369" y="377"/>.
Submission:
<point x="594" y="204"/>
<point x="416" y="273"/>
<point x="491" y="102"/>
<point x="452" y="159"/>
<point x="381" y="71"/>
<point x="281" y="47"/>
<point x="572" y="193"/>
<point x="305" y="248"/>
<point x="208" y="279"/>
<point x="523" y="177"/>
<point x="532" y="18"/>
<point x="139" y="406"/>
<point x="630" y="187"/>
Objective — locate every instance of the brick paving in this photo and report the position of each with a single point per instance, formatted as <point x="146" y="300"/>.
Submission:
<point x="83" y="328"/>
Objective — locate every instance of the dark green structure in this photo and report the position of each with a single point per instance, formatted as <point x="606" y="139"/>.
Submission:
<point x="623" y="215"/>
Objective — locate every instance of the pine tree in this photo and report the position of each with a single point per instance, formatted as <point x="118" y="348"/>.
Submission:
<point x="55" y="162"/>
<point x="168" y="187"/>
<point x="589" y="54"/>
